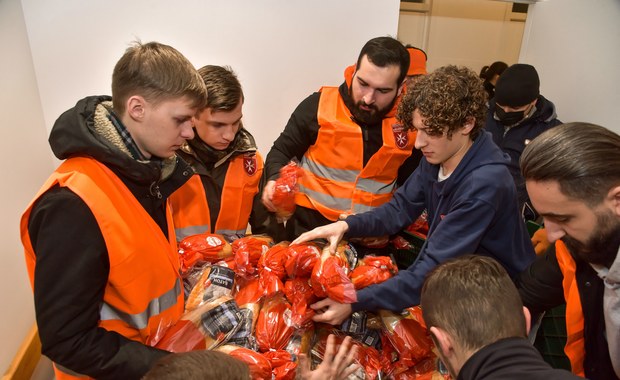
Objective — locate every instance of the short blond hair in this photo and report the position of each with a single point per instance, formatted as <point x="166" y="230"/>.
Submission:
<point x="156" y="72"/>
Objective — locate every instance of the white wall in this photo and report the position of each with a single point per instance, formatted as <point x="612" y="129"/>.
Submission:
<point x="282" y="50"/>
<point x="574" y="46"/>
<point x="26" y="163"/>
<point x="58" y="51"/>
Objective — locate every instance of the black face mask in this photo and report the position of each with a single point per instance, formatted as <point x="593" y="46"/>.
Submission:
<point x="508" y="118"/>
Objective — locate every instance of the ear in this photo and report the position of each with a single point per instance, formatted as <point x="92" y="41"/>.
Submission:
<point x="136" y="107"/>
<point x="469" y="125"/>
<point x="528" y="320"/>
<point x="443" y="341"/>
<point x="613" y="197"/>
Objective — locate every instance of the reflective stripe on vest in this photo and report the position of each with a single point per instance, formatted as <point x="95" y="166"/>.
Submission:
<point x="140" y="320"/>
<point x="335" y="181"/>
<point x="190" y="208"/>
<point x="575" y="344"/>
<point x="137" y="249"/>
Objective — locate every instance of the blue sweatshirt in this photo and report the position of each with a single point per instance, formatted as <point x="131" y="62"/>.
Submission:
<point x="475" y="210"/>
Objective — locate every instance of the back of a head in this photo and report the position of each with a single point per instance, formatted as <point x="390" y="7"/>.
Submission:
<point x="198" y="365"/>
<point x="386" y="51"/>
<point x="447" y="98"/>
<point x="474" y="300"/>
<point x="517" y="86"/>
<point x="583" y="158"/>
<point x="156" y="72"/>
<point x="224" y="92"/>
<point x="496" y="68"/>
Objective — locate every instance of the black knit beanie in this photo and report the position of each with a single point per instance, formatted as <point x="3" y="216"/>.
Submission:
<point x="517" y="86"/>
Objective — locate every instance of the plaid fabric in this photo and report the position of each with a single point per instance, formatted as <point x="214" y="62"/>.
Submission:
<point x="222" y="319"/>
<point x="127" y="139"/>
<point x="244" y="336"/>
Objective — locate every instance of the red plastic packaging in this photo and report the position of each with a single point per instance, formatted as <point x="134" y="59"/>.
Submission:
<point x="201" y="248"/>
<point x="408" y="336"/>
<point x="299" y="293"/>
<point x="301" y="259"/>
<point x="248" y="250"/>
<point x="203" y="328"/>
<point x="283" y="367"/>
<point x="373" y="270"/>
<point x="329" y="277"/>
<point x="260" y="368"/>
<point x="274" y="327"/>
<point x="271" y="268"/>
<point x="420" y="226"/>
<point x="285" y="189"/>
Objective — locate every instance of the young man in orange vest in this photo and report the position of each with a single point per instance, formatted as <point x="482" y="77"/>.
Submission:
<point x="98" y="237"/>
<point x="572" y="175"/>
<point x="479" y="325"/>
<point x="223" y="195"/>
<point x="352" y="150"/>
<point x="463" y="182"/>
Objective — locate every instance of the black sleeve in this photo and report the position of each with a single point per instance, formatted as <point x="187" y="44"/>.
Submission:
<point x="299" y="134"/>
<point x="262" y="221"/>
<point x="540" y="284"/>
<point x="410" y="164"/>
<point x="71" y="273"/>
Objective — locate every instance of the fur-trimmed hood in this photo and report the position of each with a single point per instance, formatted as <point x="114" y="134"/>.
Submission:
<point x="86" y="130"/>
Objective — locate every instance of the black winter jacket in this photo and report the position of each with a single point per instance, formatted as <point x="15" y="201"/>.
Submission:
<point x="514" y="139"/>
<point x="72" y="263"/>
<point x="510" y="358"/>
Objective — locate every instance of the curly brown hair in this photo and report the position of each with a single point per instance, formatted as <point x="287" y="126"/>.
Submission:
<point x="447" y="99"/>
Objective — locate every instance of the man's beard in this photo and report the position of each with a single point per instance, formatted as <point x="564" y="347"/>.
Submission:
<point x="602" y="247"/>
<point x="374" y="116"/>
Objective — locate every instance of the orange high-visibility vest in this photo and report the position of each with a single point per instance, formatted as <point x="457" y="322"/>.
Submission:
<point x="575" y="344"/>
<point x="190" y="208"/>
<point x="137" y="249"/>
<point x="335" y="180"/>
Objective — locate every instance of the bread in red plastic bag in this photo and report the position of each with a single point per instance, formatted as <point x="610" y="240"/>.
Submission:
<point x="260" y="368"/>
<point x="271" y="268"/>
<point x="200" y="248"/>
<point x="248" y="250"/>
<point x="299" y="293"/>
<point x="329" y="276"/>
<point x="301" y="259"/>
<point x="214" y="282"/>
<point x="274" y="327"/>
<point x="285" y="189"/>
<point x="373" y="270"/>
<point x="408" y="336"/>
<point x="282" y="364"/>
<point x="205" y="327"/>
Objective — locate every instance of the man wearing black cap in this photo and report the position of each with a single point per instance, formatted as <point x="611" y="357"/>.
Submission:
<point x="517" y="114"/>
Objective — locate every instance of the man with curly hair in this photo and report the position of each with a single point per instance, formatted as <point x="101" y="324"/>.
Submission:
<point x="464" y="183"/>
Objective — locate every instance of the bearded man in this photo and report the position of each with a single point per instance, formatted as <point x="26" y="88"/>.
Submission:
<point x="352" y="150"/>
<point x="572" y="175"/>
